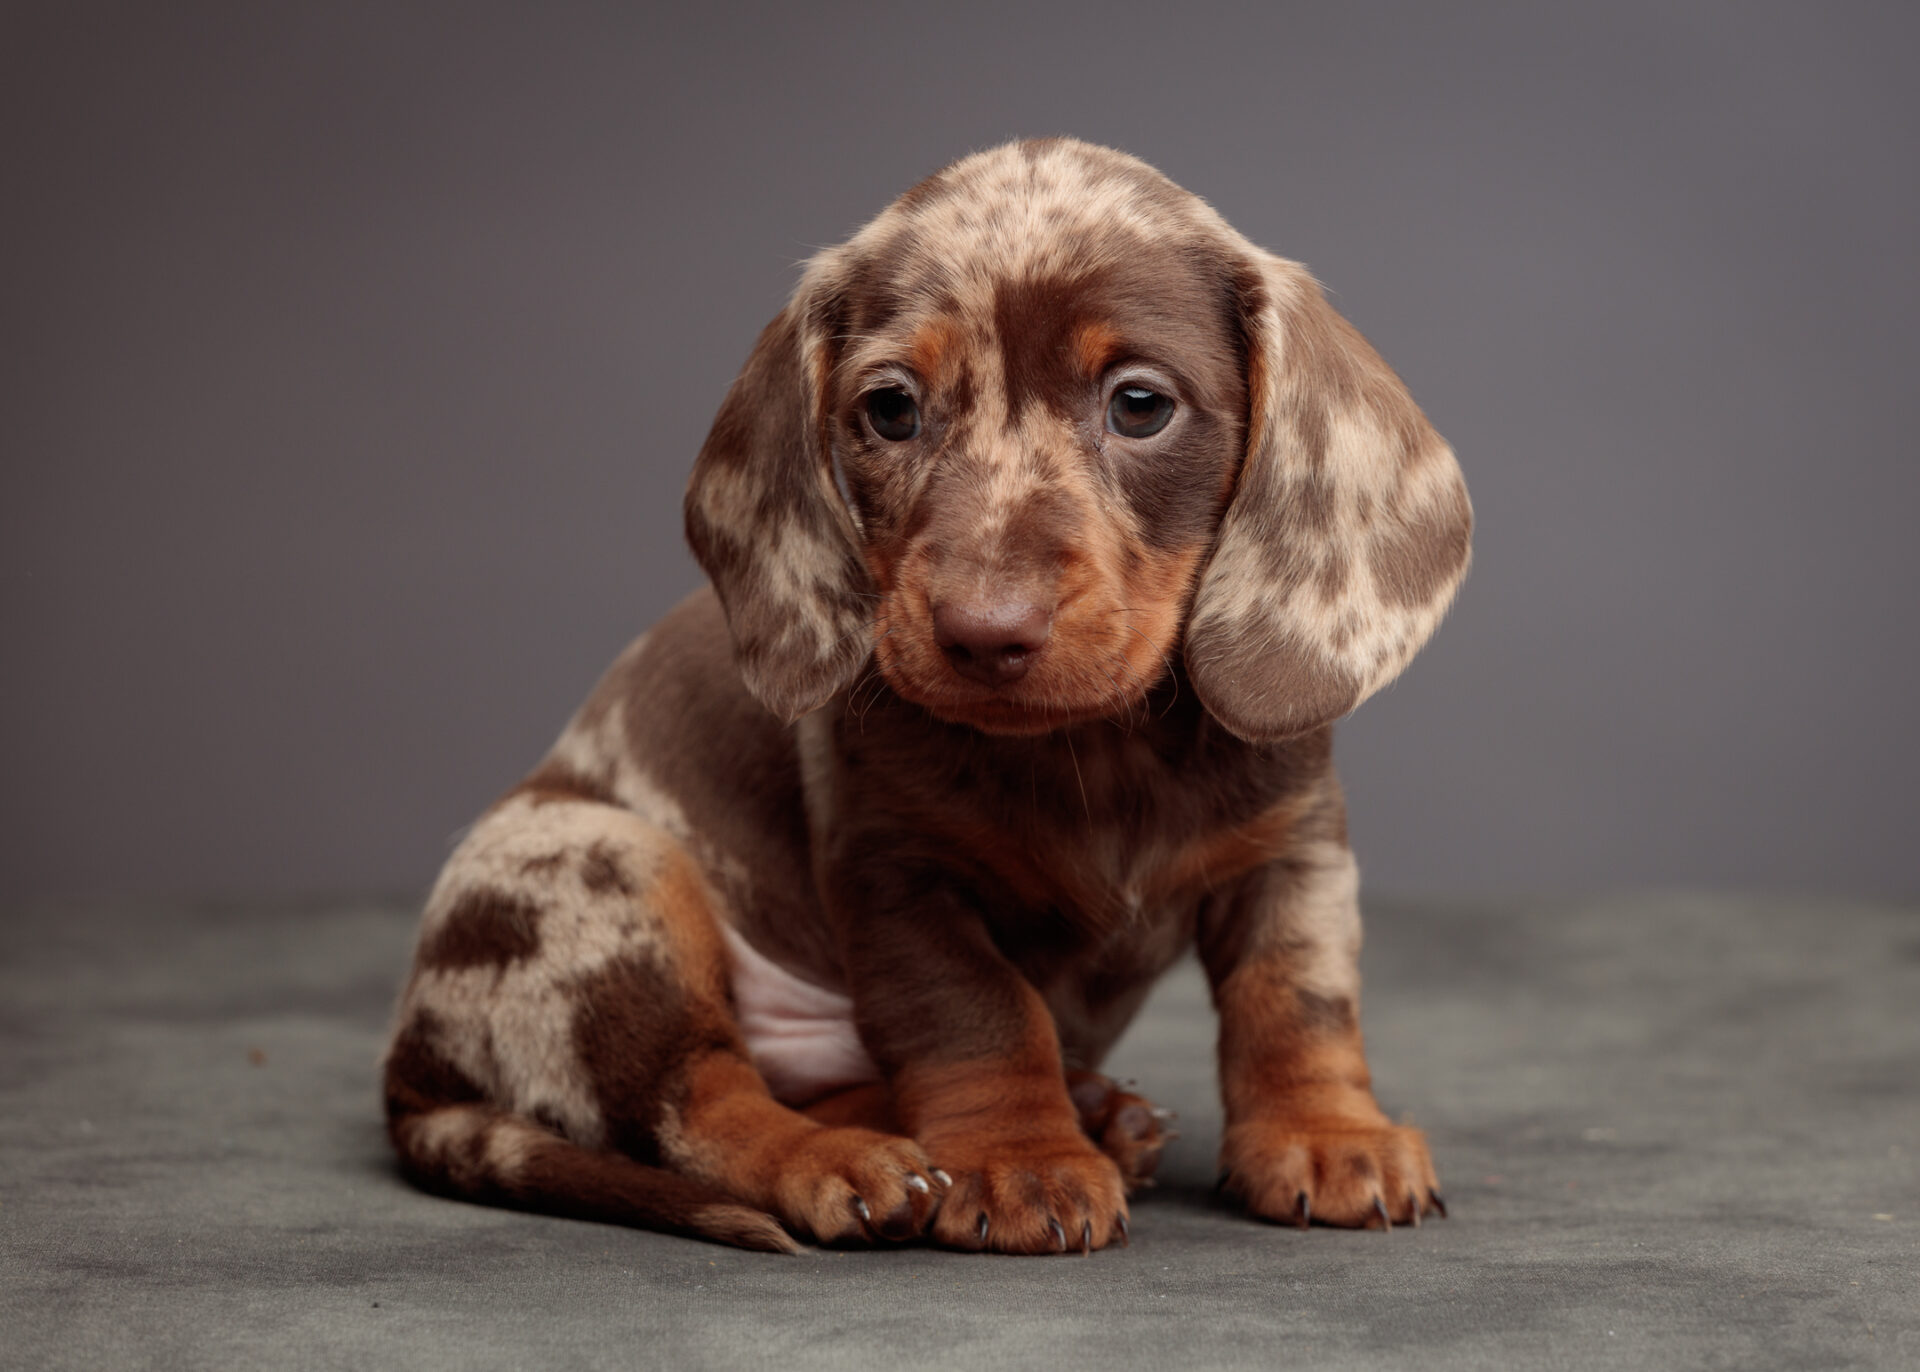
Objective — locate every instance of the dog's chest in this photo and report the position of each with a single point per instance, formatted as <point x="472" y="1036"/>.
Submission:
<point x="1119" y="833"/>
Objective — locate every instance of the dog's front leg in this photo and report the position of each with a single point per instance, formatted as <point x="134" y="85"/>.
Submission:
<point x="1304" y="1138"/>
<point x="973" y="1059"/>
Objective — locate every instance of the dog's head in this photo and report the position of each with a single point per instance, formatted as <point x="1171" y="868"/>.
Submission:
<point x="1047" y="423"/>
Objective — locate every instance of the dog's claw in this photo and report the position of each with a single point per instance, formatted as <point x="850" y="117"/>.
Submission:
<point x="1086" y="1237"/>
<point x="1059" y="1234"/>
<point x="1438" y="1203"/>
<point x="981" y="1227"/>
<point x="916" y="1182"/>
<point x="1414" y="1200"/>
<point x="942" y="1177"/>
<point x="1126" y="1235"/>
<point x="1220" y="1182"/>
<point x="1380" y="1209"/>
<point x="1163" y="1114"/>
<point x="1303" y="1209"/>
<point x="860" y="1209"/>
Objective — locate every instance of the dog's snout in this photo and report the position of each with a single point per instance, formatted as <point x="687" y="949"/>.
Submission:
<point x="991" y="643"/>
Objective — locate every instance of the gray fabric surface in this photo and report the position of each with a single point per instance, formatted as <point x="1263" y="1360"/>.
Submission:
<point x="1674" y="1131"/>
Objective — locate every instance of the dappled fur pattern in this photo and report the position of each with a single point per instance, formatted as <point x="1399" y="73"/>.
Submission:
<point x="987" y="718"/>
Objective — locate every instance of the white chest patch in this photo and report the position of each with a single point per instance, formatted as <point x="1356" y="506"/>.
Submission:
<point x="800" y="1036"/>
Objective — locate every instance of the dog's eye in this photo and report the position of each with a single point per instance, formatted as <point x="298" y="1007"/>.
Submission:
<point x="893" y="415"/>
<point x="1136" y="412"/>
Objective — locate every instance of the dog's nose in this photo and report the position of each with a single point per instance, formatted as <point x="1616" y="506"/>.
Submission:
<point x="992" y="644"/>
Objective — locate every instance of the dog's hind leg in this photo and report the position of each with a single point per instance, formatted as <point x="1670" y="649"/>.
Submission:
<point x="1127" y="1127"/>
<point x="478" y="1152"/>
<point x="566" y="1044"/>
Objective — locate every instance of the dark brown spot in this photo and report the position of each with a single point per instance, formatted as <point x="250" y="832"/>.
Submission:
<point x="961" y="391"/>
<point x="635" y="1030"/>
<point x="1414" y="562"/>
<point x="483" y="929"/>
<point x="1331" y="579"/>
<point x="1324" y="1014"/>
<point x="1035" y="319"/>
<point x="1311" y="430"/>
<point x="1313" y="504"/>
<point x="888" y="279"/>
<point x="419" y="1075"/>
<point x="601" y="871"/>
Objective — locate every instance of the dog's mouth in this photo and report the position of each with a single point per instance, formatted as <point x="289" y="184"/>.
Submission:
<point x="1079" y="674"/>
<point x="1014" y="717"/>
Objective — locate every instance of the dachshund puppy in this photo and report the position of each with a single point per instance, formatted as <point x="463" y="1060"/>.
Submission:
<point x="1050" y="527"/>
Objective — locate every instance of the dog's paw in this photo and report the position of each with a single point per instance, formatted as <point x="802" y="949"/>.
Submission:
<point x="1030" y="1196"/>
<point x="1130" y="1129"/>
<point x="855" y="1186"/>
<point x="1356" y="1173"/>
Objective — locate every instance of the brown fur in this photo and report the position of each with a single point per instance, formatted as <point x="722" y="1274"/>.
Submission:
<point x="788" y="801"/>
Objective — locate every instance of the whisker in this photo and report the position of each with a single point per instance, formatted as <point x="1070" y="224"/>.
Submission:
<point x="1084" y="802"/>
<point x="870" y="676"/>
<point x="1123" y="692"/>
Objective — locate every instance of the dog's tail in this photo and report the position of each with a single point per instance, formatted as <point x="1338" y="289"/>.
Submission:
<point x="480" y="1153"/>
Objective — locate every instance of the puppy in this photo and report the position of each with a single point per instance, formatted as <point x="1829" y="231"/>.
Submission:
<point x="1050" y="527"/>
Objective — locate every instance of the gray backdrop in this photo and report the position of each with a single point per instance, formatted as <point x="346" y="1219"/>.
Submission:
<point x="354" y="357"/>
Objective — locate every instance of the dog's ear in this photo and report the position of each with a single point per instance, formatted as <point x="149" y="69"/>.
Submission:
<point x="767" y="524"/>
<point x="1346" y="535"/>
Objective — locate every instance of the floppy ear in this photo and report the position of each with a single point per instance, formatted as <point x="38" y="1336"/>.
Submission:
<point x="1346" y="536"/>
<point x="766" y="523"/>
